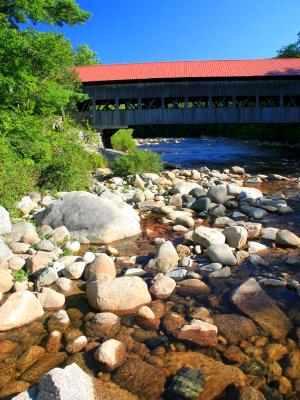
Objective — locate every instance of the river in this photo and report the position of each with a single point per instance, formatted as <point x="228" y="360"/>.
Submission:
<point x="221" y="152"/>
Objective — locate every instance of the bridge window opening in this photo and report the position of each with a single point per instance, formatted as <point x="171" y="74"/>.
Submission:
<point x="197" y="102"/>
<point x="174" y="102"/>
<point x="245" y="101"/>
<point x="151" y="103"/>
<point x="291" y="101"/>
<point x="128" y="104"/>
<point x="222" y="102"/>
<point x="84" y="106"/>
<point x="269" y="101"/>
<point x="106" y="105"/>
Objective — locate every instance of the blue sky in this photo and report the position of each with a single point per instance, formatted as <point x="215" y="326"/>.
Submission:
<point x="123" y="31"/>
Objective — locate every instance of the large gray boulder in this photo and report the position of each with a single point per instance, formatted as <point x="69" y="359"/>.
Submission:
<point x="65" y="384"/>
<point x="5" y="224"/>
<point x="5" y="251"/>
<point x="90" y="218"/>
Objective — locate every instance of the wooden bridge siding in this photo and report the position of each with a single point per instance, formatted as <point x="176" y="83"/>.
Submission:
<point x="119" y="118"/>
<point x="193" y="88"/>
<point x="123" y="118"/>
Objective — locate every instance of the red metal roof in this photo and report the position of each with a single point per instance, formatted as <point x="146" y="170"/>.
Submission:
<point x="190" y="69"/>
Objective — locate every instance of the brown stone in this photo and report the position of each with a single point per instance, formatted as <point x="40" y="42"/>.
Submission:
<point x="31" y="356"/>
<point x="111" y="354"/>
<point x="53" y="342"/>
<point x="8" y="373"/>
<point x="124" y="337"/>
<point x="140" y="378"/>
<point x="183" y="250"/>
<point x="71" y="334"/>
<point x="103" y="264"/>
<point x="158" y="307"/>
<point x="249" y="393"/>
<point x="50" y="299"/>
<point x="41" y="367"/>
<point x="292" y="370"/>
<point x="253" y="301"/>
<point x="217" y="376"/>
<point x="285" y="386"/>
<point x="7" y="346"/>
<point x="173" y="322"/>
<point x="110" y="391"/>
<point x="40" y="260"/>
<point x="103" y="325"/>
<point x="234" y="354"/>
<point x="199" y="332"/>
<point x="192" y="287"/>
<point x="147" y="319"/>
<point x="276" y="351"/>
<point x="76" y="345"/>
<point x="235" y="327"/>
<point x="20" y="308"/>
<point x="14" y="388"/>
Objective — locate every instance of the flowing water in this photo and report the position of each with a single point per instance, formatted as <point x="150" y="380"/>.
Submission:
<point x="223" y="152"/>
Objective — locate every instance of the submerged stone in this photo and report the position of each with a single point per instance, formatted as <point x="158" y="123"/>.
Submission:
<point x="255" y="368"/>
<point x="253" y="301"/>
<point x="217" y="376"/>
<point x="186" y="384"/>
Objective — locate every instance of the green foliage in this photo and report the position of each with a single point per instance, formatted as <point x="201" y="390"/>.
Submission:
<point x="69" y="169"/>
<point x="97" y="160"/>
<point x="83" y="55"/>
<point x="136" y="162"/>
<point x="20" y="275"/>
<point x="52" y="12"/>
<point x="36" y="75"/>
<point x="32" y="153"/>
<point x="122" y="140"/>
<point x="291" y="50"/>
<point x="39" y="148"/>
<point x="17" y="176"/>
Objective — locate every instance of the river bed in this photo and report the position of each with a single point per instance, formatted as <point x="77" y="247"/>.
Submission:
<point x="153" y="345"/>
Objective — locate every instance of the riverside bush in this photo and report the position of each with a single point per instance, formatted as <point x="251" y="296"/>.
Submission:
<point x="137" y="162"/>
<point x="122" y="140"/>
<point x="37" y="157"/>
<point x="17" y="176"/>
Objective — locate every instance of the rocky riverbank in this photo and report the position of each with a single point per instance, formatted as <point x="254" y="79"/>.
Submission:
<point x="179" y="285"/>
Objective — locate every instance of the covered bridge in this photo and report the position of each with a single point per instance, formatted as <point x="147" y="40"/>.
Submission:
<point x="192" y="92"/>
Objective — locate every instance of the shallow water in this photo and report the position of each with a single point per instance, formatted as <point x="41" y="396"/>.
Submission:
<point x="223" y="152"/>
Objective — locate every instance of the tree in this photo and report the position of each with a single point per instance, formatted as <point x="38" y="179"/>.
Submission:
<point x="291" y="50"/>
<point x="52" y="12"/>
<point x="36" y="75"/>
<point x="37" y="83"/>
<point x="83" y="55"/>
